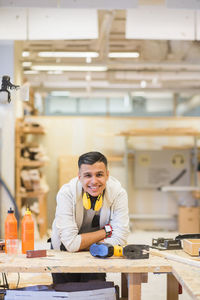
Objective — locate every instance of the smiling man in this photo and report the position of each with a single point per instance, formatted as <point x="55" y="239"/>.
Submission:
<point x="90" y="208"/>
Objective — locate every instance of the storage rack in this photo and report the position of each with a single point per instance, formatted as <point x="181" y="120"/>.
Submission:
<point x="21" y="134"/>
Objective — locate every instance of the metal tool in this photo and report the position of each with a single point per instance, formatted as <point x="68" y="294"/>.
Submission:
<point x="166" y="244"/>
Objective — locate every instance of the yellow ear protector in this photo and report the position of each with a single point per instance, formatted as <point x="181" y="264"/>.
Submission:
<point x="87" y="202"/>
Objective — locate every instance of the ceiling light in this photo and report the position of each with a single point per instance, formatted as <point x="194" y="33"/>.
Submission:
<point x="25" y="53"/>
<point x="68" y="54"/>
<point x="124" y="54"/>
<point x="88" y="60"/>
<point x="27" y="63"/>
<point x="143" y="83"/>
<point x="30" y="72"/>
<point x="60" y="93"/>
<point x="88" y="77"/>
<point x="55" y="72"/>
<point x="70" y="68"/>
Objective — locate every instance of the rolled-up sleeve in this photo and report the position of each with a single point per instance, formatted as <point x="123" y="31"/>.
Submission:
<point x="119" y="220"/>
<point x="65" y="223"/>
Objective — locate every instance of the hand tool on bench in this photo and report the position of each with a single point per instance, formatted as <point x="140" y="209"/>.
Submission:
<point x="132" y="251"/>
<point x="166" y="244"/>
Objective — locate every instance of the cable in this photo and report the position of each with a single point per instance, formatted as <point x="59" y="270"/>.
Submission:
<point x="11" y="198"/>
<point x="18" y="280"/>
<point x="5" y="284"/>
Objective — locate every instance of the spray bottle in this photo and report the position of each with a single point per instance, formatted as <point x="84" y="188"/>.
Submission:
<point x="10" y="227"/>
<point x="27" y="232"/>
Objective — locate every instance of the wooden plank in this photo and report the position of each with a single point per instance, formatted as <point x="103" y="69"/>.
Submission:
<point x="124" y="285"/>
<point x="188" y="277"/>
<point x="67" y="168"/>
<point x="172" y="287"/>
<point x="31" y="163"/>
<point x="42" y="217"/>
<point x="161" y="132"/>
<point x="175" y="257"/>
<point x="134" y="290"/>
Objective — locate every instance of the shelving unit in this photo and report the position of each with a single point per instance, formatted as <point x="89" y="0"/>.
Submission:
<point x="23" y="130"/>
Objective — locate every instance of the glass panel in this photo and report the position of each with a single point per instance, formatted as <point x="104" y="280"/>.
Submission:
<point x="130" y="104"/>
<point x="92" y="106"/>
<point x="60" y="106"/>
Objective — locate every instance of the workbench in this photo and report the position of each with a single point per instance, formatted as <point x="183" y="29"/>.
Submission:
<point x="136" y="270"/>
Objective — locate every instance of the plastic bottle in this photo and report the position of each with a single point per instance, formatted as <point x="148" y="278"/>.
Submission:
<point x="10" y="227"/>
<point x="27" y="232"/>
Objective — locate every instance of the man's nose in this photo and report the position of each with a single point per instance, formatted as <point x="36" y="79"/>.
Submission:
<point x="94" y="179"/>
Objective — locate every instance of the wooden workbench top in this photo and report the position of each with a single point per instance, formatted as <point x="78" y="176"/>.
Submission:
<point x="188" y="277"/>
<point x="57" y="261"/>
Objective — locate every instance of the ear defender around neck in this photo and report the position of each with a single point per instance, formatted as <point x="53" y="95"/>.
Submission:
<point x="88" y="204"/>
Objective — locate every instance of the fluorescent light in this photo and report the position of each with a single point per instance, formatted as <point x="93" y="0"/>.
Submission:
<point x="67" y="54"/>
<point x="30" y="72"/>
<point x="124" y="54"/>
<point x="55" y="72"/>
<point x="60" y="93"/>
<point x="27" y="63"/>
<point x="143" y="83"/>
<point x="25" y="53"/>
<point x="88" y="60"/>
<point x="69" y="68"/>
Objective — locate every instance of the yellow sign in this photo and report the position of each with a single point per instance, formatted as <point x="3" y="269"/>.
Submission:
<point x="178" y="160"/>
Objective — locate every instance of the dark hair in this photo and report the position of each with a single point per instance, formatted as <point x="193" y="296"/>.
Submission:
<point x="91" y="158"/>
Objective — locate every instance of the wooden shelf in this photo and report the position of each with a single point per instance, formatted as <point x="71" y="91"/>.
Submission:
<point x="161" y="132"/>
<point x="115" y="158"/>
<point x="21" y="141"/>
<point x="33" y="130"/>
<point x="31" y="163"/>
<point x="33" y="194"/>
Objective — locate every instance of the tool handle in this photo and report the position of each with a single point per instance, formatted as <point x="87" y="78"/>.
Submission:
<point x="118" y="250"/>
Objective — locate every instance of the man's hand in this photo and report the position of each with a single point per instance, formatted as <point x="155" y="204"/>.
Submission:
<point x="87" y="239"/>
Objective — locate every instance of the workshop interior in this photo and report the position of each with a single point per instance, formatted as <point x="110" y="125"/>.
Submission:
<point x="118" y="77"/>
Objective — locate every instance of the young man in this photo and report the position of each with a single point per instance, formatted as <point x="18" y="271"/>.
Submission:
<point x="90" y="208"/>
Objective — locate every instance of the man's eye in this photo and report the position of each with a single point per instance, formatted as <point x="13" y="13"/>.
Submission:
<point x="87" y="175"/>
<point x="99" y="175"/>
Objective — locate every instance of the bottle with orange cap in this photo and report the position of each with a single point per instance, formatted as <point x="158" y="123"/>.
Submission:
<point x="10" y="227"/>
<point x="27" y="232"/>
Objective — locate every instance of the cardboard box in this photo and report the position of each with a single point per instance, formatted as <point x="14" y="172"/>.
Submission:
<point x="188" y="219"/>
<point x="192" y="246"/>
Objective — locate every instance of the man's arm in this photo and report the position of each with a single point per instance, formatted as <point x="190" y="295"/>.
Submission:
<point x="87" y="239"/>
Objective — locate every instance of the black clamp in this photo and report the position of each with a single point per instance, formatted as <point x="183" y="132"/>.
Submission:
<point x="166" y="244"/>
<point x="136" y="251"/>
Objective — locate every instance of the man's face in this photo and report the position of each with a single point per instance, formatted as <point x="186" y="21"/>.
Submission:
<point x="93" y="178"/>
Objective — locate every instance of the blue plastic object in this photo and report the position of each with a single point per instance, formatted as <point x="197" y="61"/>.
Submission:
<point x="101" y="250"/>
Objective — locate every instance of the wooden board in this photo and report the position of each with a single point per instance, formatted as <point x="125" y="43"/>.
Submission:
<point x="192" y="246"/>
<point x="188" y="277"/>
<point x="161" y="132"/>
<point x="67" y="168"/>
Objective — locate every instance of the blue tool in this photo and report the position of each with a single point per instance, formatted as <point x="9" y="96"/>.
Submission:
<point x="101" y="250"/>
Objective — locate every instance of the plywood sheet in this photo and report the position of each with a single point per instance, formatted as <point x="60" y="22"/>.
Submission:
<point x="67" y="168"/>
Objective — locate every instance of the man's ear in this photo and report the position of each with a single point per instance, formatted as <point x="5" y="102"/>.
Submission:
<point x="108" y="173"/>
<point x="79" y="175"/>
